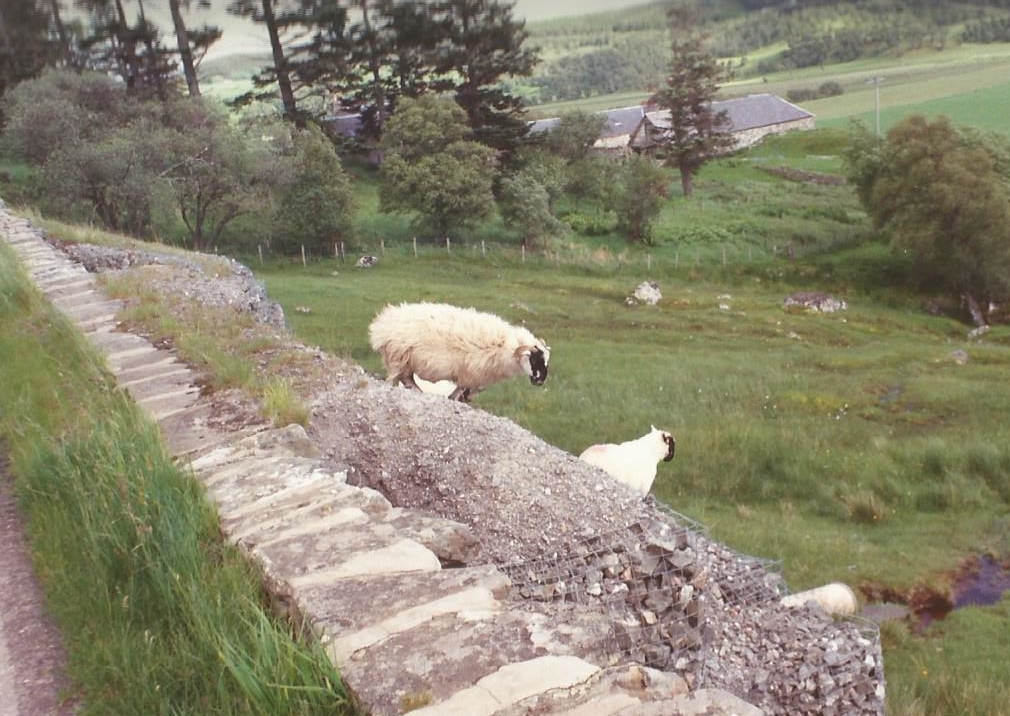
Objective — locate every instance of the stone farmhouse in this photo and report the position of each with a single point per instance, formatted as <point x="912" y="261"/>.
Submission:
<point x="751" y="118"/>
<point x="637" y="128"/>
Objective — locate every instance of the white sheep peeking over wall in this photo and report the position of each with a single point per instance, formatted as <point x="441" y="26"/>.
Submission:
<point x="633" y="462"/>
<point x="439" y="342"/>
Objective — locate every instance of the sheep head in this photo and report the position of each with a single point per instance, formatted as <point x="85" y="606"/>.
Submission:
<point x="671" y="443"/>
<point x="533" y="360"/>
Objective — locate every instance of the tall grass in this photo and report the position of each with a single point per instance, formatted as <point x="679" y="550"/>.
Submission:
<point x="160" y="616"/>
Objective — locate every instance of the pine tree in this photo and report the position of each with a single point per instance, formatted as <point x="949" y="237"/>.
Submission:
<point x="484" y="46"/>
<point x="697" y="132"/>
<point x="25" y="45"/>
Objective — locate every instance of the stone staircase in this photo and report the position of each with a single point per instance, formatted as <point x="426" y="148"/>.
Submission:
<point x="367" y="577"/>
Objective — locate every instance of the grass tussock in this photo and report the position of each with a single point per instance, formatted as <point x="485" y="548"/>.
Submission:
<point x="159" y="614"/>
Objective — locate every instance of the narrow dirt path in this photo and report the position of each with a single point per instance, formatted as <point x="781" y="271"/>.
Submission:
<point x="33" y="678"/>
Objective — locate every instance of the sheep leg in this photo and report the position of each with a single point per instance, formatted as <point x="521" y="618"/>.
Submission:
<point x="407" y="380"/>
<point x="461" y="394"/>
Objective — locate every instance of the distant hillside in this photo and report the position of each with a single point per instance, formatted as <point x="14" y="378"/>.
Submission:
<point x="627" y="50"/>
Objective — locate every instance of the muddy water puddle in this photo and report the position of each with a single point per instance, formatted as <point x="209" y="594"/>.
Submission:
<point x="980" y="581"/>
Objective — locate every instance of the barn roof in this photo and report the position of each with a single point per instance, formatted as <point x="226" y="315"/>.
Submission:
<point x="750" y="112"/>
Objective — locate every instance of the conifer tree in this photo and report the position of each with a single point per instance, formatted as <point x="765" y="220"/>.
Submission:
<point x="697" y="132"/>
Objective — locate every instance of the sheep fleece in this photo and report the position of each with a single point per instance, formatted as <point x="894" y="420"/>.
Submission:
<point x="438" y="341"/>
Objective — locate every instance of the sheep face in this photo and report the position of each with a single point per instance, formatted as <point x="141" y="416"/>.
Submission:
<point x="671" y="443"/>
<point x="533" y="361"/>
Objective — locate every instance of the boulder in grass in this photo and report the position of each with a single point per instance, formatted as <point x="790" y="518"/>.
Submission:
<point x="815" y="301"/>
<point x="646" y="292"/>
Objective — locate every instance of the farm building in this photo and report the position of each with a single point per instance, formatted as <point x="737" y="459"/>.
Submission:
<point x="750" y="119"/>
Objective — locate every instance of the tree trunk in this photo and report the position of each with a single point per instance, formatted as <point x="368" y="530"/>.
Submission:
<point x="375" y="68"/>
<point x="280" y="65"/>
<point x="686" y="181"/>
<point x="977" y="315"/>
<point x="61" y="32"/>
<point x="185" y="51"/>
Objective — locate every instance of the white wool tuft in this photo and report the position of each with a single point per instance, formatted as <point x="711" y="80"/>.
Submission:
<point x="633" y="462"/>
<point x="440" y="342"/>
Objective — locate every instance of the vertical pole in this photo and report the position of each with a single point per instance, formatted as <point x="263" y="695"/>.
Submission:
<point x="448" y="246"/>
<point x="343" y="256"/>
<point x="483" y="251"/>
<point x="303" y="255"/>
<point x="724" y="255"/>
<point x="415" y="247"/>
<point x="259" y="248"/>
<point x="522" y="247"/>
<point x="382" y="246"/>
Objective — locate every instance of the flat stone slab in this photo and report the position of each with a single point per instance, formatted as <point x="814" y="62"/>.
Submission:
<point x="512" y="683"/>
<point x="388" y="595"/>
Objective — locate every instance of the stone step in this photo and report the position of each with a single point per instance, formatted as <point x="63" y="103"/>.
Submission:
<point x="167" y="365"/>
<point x="164" y="405"/>
<point x="140" y="353"/>
<point x="77" y="282"/>
<point x="71" y="296"/>
<point x="161" y="383"/>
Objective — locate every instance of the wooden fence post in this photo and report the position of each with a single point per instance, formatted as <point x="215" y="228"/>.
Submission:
<point x="415" y="247"/>
<point x="303" y="256"/>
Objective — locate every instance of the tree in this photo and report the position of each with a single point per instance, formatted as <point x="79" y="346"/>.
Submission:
<point x="392" y="55"/>
<point x="316" y="207"/>
<point x="25" y="45"/>
<point x="216" y="173"/>
<point x="279" y="73"/>
<point x="114" y="178"/>
<point x="638" y="197"/>
<point x="61" y="106"/>
<point x="697" y="132"/>
<point x="432" y="169"/>
<point x="575" y="133"/>
<point x="190" y="43"/>
<point x="525" y="203"/>
<point x="133" y="51"/>
<point x="943" y="194"/>
<point x="484" y="45"/>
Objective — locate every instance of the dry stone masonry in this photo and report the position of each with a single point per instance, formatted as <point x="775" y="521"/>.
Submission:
<point x="453" y="563"/>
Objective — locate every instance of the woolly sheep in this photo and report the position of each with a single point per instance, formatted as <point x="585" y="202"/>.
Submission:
<point x="633" y="462"/>
<point x="437" y="341"/>
<point x="835" y="598"/>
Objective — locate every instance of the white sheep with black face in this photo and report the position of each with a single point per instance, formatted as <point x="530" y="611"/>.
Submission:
<point x="633" y="462"/>
<point x="440" y="342"/>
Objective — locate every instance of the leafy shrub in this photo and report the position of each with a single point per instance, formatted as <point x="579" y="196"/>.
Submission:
<point x="599" y="224"/>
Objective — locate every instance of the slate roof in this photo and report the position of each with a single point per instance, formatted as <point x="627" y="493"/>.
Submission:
<point x="750" y="112"/>
<point x="620" y="122"/>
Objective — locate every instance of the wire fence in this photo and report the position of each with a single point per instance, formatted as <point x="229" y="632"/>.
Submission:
<point x="662" y="258"/>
